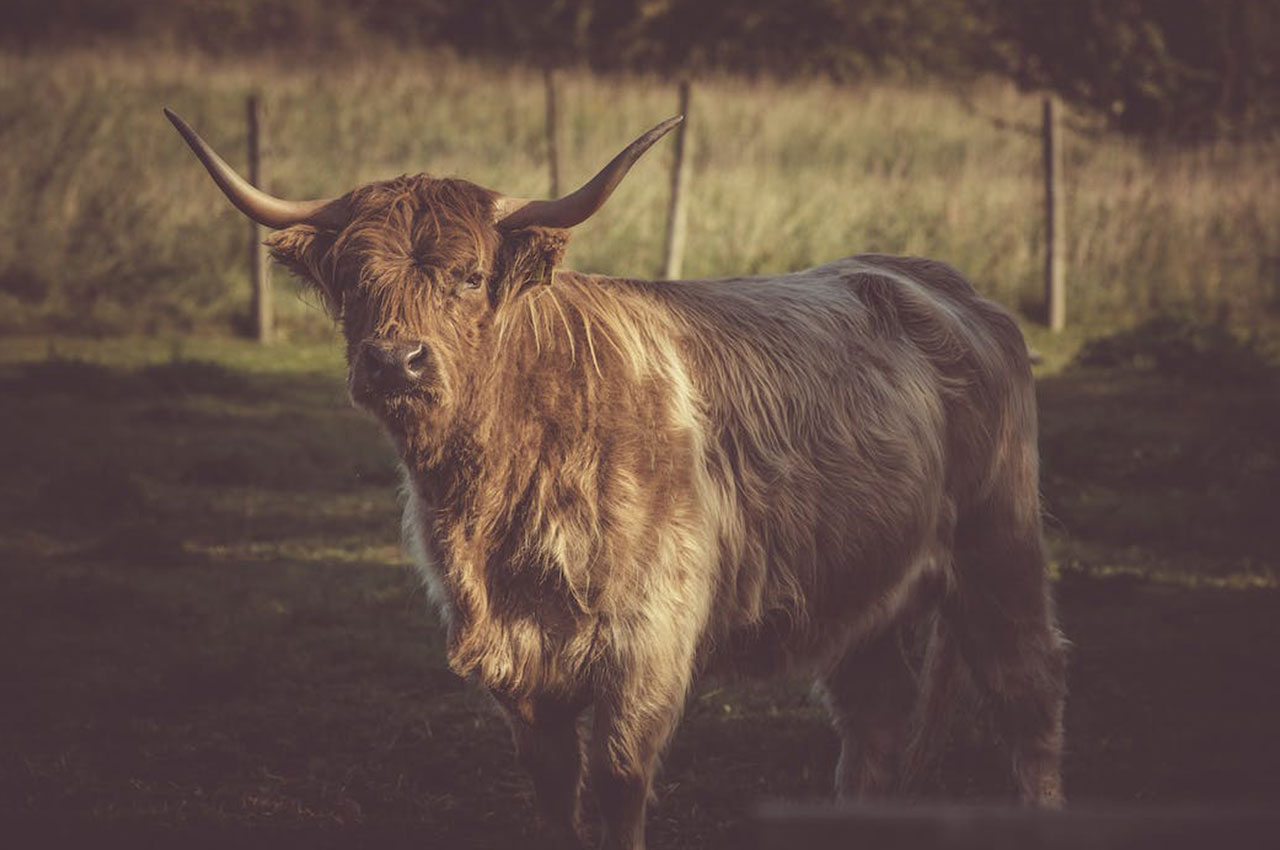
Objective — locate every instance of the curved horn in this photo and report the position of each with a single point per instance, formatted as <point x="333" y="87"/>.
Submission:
<point x="265" y="209"/>
<point x="577" y="207"/>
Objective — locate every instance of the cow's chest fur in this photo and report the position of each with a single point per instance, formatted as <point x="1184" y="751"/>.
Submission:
<point x="546" y="554"/>
<point x="513" y="622"/>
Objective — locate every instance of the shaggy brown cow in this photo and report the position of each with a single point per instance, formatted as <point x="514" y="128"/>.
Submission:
<point x="617" y="485"/>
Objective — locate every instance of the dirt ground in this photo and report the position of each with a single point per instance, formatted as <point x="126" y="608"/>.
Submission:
<point x="207" y="629"/>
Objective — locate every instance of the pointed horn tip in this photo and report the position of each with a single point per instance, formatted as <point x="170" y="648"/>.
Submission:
<point x="650" y="138"/>
<point x="180" y="125"/>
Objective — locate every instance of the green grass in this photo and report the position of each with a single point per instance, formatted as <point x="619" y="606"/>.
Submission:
<point x="108" y="223"/>
<point x="206" y="622"/>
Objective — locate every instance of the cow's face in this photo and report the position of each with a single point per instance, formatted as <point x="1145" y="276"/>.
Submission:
<point x="414" y="277"/>
<point x="414" y="270"/>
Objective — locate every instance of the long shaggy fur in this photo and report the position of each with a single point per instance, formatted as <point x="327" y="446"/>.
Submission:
<point x="617" y="485"/>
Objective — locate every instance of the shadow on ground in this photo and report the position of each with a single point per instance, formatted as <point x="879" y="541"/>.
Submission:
<point x="207" y="625"/>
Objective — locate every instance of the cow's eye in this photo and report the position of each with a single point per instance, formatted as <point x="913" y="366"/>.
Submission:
<point x="475" y="280"/>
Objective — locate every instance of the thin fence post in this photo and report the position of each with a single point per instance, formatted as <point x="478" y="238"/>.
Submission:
<point x="674" y="255"/>
<point x="553" y="131"/>
<point x="1055" y="266"/>
<point x="263" y="323"/>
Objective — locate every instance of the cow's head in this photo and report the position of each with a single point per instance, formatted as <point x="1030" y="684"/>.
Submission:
<point x="414" y="268"/>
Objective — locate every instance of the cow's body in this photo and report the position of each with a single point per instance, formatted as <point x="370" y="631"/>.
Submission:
<point x="616" y="485"/>
<point x="739" y="475"/>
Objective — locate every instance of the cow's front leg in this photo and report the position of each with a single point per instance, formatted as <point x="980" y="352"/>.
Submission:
<point x="625" y="748"/>
<point x="636" y="711"/>
<point x="545" y="732"/>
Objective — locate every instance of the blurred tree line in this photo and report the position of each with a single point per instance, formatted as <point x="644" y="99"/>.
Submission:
<point x="1175" y="68"/>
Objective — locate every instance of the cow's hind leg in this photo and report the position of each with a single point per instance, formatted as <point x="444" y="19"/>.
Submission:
<point x="871" y="693"/>
<point x="548" y="747"/>
<point x="1002" y="619"/>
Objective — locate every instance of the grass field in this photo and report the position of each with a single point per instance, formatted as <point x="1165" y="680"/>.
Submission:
<point x="206" y="621"/>
<point x="207" y="624"/>
<point x="107" y="223"/>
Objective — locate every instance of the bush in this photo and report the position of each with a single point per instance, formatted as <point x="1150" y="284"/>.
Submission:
<point x="1179" y="347"/>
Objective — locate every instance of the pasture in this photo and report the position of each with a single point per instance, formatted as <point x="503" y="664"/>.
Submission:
<point x="105" y="226"/>
<point x="207" y="627"/>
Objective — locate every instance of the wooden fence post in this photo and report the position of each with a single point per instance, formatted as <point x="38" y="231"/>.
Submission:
<point x="1055" y="293"/>
<point x="263" y="322"/>
<point x="674" y="255"/>
<point x="553" y="131"/>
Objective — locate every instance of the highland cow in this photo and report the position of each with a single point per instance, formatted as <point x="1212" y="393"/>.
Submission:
<point x="616" y="486"/>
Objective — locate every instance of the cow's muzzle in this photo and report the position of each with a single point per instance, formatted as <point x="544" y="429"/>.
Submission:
<point x="389" y="366"/>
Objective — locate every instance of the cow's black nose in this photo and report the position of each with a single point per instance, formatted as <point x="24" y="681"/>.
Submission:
<point x="394" y="361"/>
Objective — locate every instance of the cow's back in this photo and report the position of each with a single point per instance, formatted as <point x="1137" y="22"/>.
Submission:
<point x="853" y="409"/>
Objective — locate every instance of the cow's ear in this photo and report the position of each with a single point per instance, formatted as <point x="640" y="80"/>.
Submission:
<point x="527" y="257"/>
<point x="306" y="251"/>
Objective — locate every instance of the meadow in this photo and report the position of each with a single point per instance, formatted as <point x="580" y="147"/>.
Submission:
<point x="107" y="224"/>
<point x="210" y="633"/>
<point x="208" y="630"/>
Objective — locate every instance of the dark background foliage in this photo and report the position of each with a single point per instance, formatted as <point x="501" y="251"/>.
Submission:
<point x="1185" y="68"/>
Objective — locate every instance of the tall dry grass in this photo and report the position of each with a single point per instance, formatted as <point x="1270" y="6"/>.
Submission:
<point x="106" y="221"/>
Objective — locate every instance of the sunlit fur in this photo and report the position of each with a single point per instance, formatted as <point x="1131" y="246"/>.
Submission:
<point x="617" y="485"/>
